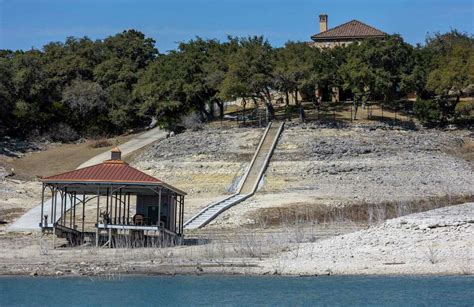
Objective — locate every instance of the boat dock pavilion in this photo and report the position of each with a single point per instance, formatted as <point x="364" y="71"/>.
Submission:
<point x="114" y="205"/>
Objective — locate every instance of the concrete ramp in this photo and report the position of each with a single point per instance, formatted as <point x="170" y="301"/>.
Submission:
<point x="249" y="183"/>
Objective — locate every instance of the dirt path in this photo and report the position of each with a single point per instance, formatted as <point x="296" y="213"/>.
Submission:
<point x="29" y="221"/>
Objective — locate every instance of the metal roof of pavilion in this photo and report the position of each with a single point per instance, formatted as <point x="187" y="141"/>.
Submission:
<point x="353" y="29"/>
<point x="113" y="171"/>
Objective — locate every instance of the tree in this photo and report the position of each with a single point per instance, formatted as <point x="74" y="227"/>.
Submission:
<point x="7" y="92"/>
<point x="293" y="71"/>
<point x="250" y="72"/>
<point x="132" y="45"/>
<point x="377" y="68"/>
<point x="452" y="64"/>
<point x="32" y="93"/>
<point x="87" y="101"/>
<point x="160" y="91"/>
<point x="216" y="68"/>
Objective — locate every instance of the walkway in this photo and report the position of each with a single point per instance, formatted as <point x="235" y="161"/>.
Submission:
<point x="249" y="183"/>
<point x="30" y="220"/>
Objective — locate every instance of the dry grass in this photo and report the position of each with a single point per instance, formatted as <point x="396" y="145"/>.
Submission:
<point x="57" y="159"/>
<point x="101" y="142"/>
<point x="465" y="151"/>
<point x="359" y="212"/>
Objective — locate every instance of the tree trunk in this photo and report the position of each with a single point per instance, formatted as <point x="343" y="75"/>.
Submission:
<point x="205" y="115"/>
<point x="220" y="104"/>
<point x="356" y="106"/>
<point x="287" y="97"/>
<point x="268" y="103"/>
<point x="296" y="96"/>
<point x="270" y="111"/>
<point x="243" y="111"/>
<point x="302" y="114"/>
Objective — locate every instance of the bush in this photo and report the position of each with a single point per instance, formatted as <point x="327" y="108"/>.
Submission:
<point x="465" y="109"/>
<point x="100" y="142"/>
<point x="192" y="122"/>
<point x="464" y="113"/>
<point x="62" y="133"/>
<point x="428" y="112"/>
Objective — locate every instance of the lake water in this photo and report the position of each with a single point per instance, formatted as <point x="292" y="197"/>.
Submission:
<point x="238" y="291"/>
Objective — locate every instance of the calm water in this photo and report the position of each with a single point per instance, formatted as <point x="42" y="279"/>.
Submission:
<point x="238" y="291"/>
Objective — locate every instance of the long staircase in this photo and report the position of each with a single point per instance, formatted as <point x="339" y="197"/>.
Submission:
<point x="249" y="183"/>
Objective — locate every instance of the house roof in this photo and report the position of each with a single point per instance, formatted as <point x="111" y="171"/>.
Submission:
<point x="116" y="171"/>
<point x="353" y="29"/>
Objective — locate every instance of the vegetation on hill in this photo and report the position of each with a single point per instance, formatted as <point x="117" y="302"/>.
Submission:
<point x="89" y="88"/>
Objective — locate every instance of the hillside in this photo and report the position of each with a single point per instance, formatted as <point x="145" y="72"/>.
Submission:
<point x="379" y="170"/>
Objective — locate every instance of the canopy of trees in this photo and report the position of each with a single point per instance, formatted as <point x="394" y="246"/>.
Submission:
<point x="109" y="86"/>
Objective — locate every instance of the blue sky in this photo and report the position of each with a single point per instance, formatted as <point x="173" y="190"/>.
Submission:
<point x="32" y="23"/>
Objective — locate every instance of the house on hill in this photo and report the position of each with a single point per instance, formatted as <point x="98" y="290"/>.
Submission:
<point x="343" y="35"/>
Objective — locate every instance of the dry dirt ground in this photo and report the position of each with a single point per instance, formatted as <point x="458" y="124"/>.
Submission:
<point x="206" y="164"/>
<point x="355" y="175"/>
<point x="55" y="158"/>
<point x="433" y="242"/>
<point x="366" y="173"/>
<point x="439" y="241"/>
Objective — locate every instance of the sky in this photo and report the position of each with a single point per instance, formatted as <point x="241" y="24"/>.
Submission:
<point x="26" y="24"/>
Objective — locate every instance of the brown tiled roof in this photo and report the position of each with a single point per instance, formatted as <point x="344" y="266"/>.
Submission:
<point x="108" y="171"/>
<point x="353" y="29"/>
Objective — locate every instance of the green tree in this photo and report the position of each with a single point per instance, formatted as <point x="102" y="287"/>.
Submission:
<point x="293" y="67"/>
<point x="7" y="92"/>
<point x="87" y="101"/>
<point x="452" y="64"/>
<point x="377" y="68"/>
<point x="132" y="45"/>
<point x="250" y="72"/>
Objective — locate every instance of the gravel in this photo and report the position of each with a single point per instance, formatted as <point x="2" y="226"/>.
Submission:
<point x="433" y="242"/>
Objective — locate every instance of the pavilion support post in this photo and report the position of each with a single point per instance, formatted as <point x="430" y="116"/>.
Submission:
<point x="115" y="210"/>
<point x="120" y="207"/>
<point x="159" y="206"/>
<point x="62" y="218"/>
<point x="83" y="210"/>
<point x="52" y="204"/>
<point x="175" y="211"/>
<point x="128" y="209"/>
<point x="59" y="206"/>
<point x="107" y="202"/>
<point x="97" y="218"/>
<point x="74" y="215"/>
<point x="182" y="214"/>
<point x="110" y="237"/>
<point x="63" y="206"/>
<point x="66" y="196"/>
<point x="42" y="219"/>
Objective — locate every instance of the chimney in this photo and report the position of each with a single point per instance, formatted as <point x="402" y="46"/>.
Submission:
<point x="116" y="154"/>
<point x="323" y="23"/>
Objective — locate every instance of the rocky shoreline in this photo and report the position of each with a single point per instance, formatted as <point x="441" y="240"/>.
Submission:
<point x="435" y="242"/>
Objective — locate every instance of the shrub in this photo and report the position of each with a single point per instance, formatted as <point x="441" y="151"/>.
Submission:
<point x="464" y="113"/>
<point x="192" y="122"/>
<point x="428" y="112"/>
<point x="100" y="142"/>
<point x="465" y="109"/>
<point x="63" y="133"/>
